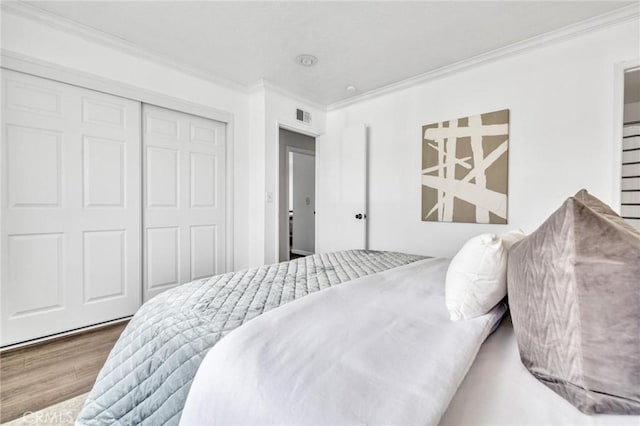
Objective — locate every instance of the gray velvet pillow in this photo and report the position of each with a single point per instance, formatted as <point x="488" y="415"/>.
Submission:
<point x="574" y="294"/>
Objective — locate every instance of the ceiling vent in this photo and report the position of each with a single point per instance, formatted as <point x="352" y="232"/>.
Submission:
<point x="303" y="116"/>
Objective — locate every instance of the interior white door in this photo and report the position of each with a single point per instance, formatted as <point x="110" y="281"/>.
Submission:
<point x="184" y="198"/>
<point x="353" y="189"/>
<point x="70" y="207"/>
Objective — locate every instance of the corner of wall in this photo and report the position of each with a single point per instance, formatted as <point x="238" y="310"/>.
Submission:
<point x="256" y="187"/>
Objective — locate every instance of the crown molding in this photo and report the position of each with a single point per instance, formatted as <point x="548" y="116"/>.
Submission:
<point x="256" y="87"/>
<point x="288" y="94"/>
<point x="617" y="16"/>
<point x="15" y="61"/>
<point x="34" y="13"/>
<point x="265" y="85"/>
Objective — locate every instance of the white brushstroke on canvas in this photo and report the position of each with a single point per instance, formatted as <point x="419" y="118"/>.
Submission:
<point x="434" y="133"/>
<point x="441" y="156"/>
<point x="486" y="162"/>
<point x="459" y="161"/>
<point x="450" y="171"/>
<point x="475" y="124"/>
<point x="447" y="186"/>
<point x="462" y="162"/>
<point x="493" y="201"/>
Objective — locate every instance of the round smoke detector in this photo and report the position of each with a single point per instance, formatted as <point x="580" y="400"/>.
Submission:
<point x="306" y="60"/>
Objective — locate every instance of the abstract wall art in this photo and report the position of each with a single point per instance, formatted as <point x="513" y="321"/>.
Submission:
<point x="465" y="164"/>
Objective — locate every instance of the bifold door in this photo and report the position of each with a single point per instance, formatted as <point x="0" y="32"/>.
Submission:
<point x="70" y="207"/>
<point x="184" y="198"/>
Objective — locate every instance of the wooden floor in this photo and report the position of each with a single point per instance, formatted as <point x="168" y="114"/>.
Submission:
<point x="36" y="376"/>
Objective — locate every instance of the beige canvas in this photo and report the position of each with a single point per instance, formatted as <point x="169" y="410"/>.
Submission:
<point x="465" y="169"/>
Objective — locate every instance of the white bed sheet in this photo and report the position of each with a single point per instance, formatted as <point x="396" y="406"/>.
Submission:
<point x="498" y="390"/>
<point x="377" y="350"/>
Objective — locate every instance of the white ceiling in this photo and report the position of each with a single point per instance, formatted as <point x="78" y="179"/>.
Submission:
<point x="367" y="44"/>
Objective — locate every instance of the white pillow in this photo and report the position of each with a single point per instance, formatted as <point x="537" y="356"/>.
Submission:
<point x="512" y="237"/>
<point x="477" y="275"/>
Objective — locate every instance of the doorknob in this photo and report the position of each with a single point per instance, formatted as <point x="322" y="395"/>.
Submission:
<point x="361" y="216"/>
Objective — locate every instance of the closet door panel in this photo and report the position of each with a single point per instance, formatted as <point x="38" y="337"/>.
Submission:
<point x="40" y="289"/>
<point x="104" y="265"/>
<point x="104" y="172"/>
<point x="202" y="183"/>
<point x="34" y="167"/>
<point x="203" y="251"/>
<point x="110" y="143"/>
<point x="163" y="257"/>
<point x="163" y="177"/>
<point x="70" y="207"/>
<point x="35" y="235"/>
<point x="184" y="184"/>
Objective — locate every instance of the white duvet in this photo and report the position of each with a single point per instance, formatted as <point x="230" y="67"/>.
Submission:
<point x="377" y="350"/>
<point x="499" y="391"/>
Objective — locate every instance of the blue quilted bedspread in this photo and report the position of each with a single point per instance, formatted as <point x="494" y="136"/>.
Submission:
<point x="147" y="376"/>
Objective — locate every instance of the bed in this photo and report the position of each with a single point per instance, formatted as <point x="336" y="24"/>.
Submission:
<point x="408" y="362"/>
<point x="499" y="391"/>
<point x="377" y="350"/>
<point x="147" y="375"/>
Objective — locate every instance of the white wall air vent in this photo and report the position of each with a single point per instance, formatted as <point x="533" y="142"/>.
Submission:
<point x="303" y="116"/>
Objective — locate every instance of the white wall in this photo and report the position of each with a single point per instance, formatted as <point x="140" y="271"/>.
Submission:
<point x="561" y="102"/>
<point x="255" y="177"/>
<point x="38" y="40"/>
<point x="303" y="172"/>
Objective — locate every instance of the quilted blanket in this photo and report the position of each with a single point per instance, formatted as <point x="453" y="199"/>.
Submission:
<point x="147" y="375"/>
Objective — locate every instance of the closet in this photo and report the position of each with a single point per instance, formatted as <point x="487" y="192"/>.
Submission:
<point x="106" y="202"/>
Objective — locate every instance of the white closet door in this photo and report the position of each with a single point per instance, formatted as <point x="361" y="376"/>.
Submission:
<point x="70" y="207"/>
<point x="184" y="198"/>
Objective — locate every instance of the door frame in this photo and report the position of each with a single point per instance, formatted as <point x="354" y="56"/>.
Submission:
<point x="289" y="150"/>
<point x="618" y="122"/>
<point x="44" y="69"/>
<point x="295" y="128"/>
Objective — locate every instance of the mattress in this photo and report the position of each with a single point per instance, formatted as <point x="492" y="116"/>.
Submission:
<point x="498" y="390"/>
<point x="147" y="375"/>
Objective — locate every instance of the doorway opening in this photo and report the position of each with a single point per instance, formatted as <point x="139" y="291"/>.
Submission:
<point x="297" y="198"/>
<point x="630" y="183"/>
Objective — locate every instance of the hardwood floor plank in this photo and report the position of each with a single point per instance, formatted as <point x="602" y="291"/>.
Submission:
<point x="13" y="364"/>
<point x="37" y="376"/>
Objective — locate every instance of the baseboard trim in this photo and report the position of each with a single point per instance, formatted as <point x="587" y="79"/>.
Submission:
<point x="51" y="337"/>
